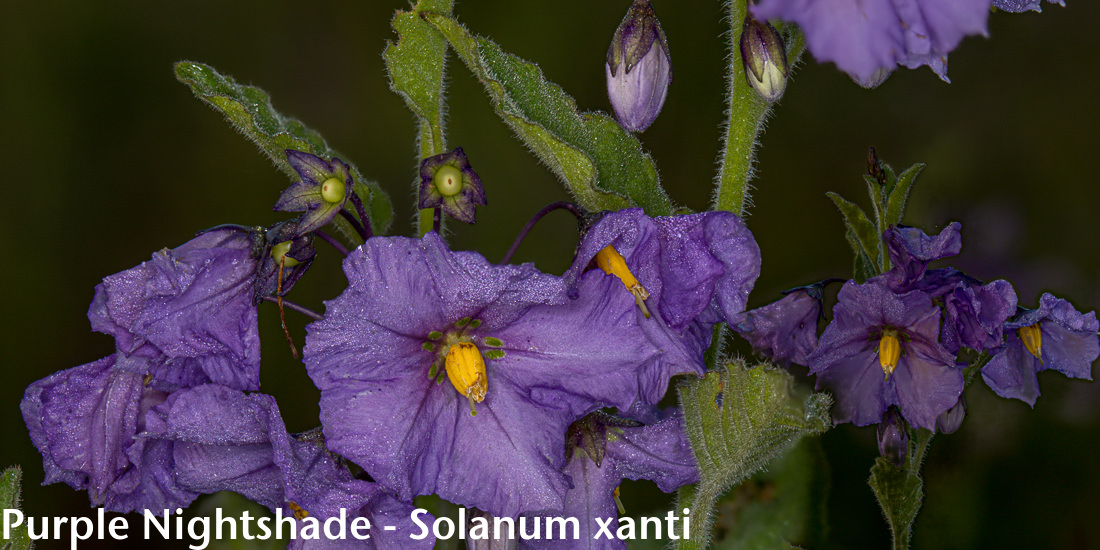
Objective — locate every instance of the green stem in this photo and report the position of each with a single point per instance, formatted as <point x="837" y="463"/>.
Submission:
<point x="431" y="144"/>
<point x="701" y="503"/>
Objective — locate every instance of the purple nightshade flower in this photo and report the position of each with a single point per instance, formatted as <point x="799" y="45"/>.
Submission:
<point x="976" y="315"/>
<point x="223" y="439"/>
<point x="910" y="252"/>
<point x="883" y="349"/>
<point x="187" y="314"/>
<point x="603" y="451"/>
<point x="868" y="37"/>
<point x="638" y="68"/>
<point x="448" y="181"/>
<point x="321" y="193"/>
<point x="1054" y="336"/>
<point x="523" y="362"/>
<point x="84" y="421"/>
<point x="785" y="330"/>
<point x="1023" y="5"/>
<point x="698" y="266"/>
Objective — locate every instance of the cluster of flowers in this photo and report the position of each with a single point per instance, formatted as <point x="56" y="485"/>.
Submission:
<point x="534" y="362"/>
<point x="894" y="348"/>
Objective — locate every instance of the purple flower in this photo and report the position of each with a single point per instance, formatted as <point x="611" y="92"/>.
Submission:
<point x="883" y="349"/>
<point x="84" y="420"/>
<point x="223" y="439"/>
<point x="523" y="362"/>
<point x="785" y="330"/>
<point x="638" y="68"/>
<point x="321" y="193"/>
<point x="604" y="450"/>
<point x="1054" y="336"/>
<point x="910" y="252"/>
<point x="187" y="314"/>
<point x="448" y="181"/>
<point x="698" y="266"/>
<point x="976" y="315"/>
<point x="868" y="37"/>
<point x="1023" y="5"/>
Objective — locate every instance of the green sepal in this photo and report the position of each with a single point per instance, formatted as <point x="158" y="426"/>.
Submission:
<point x="249" y="110"/>
<point x="739" y="419"/>
<point x="866" y="235"/>
<point x="899" y="195"/>
<point x="603" y="166"/>
<point x="900" y="491"/>
<point x="779" y="507"/>
<point x="10" y="486"/>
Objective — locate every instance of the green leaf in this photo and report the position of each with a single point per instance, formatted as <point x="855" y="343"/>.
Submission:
<point x="249" y="110"/>
<point x="10" y="487"/>
<point x="415" y="64"/>
<point x="778" y="507"/>
<point x="738" y="420"/>
<point x="878" y="204"/>
<point x="603" y="166"/>
<point x="895" y="208"/>
<point x="865" y="233"/>
<point x="900" y="491"/>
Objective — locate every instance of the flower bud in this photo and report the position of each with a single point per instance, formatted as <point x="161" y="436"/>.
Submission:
<point x="765" y="58"/>
<point x="893" y="437"/>
<point x="638" y="68"/>
<point x="948" y="421"/>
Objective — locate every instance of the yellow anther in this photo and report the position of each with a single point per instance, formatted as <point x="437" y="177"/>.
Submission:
<point x="279" y="251"/>
<point x="613" y="263"/>
<point x="619" y="503"/>
<point x="299" y="512"/>
<point x="889" y="351"/>
<point x="466" y="370"/>
<point x="1032" y="338"/>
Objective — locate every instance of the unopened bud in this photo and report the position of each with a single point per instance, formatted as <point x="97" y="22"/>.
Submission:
<point x="638" y="68"/>
<point x="948" y="421"/>
<point x="765" y="58"/>
<point x="893" y="437"/>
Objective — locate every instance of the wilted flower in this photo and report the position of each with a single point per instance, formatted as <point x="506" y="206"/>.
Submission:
<point x="523" y="362"/>
<point x="785" y="330"/>
<point x="764" y="58"/>
<point x="638" y="68"/>
<point x="1054" y="336"/>
<point x="868" y="37"/>
<point x="883" y="349"/>
<point x="447" y="180"/>
<point x="321" y="193"/>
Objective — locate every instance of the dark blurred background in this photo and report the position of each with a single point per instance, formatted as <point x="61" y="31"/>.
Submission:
<point x="108" y="159"/>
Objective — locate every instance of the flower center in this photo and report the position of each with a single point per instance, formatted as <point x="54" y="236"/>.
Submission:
<point x="333" y="190"/>
<point x="1032" y="338"/>
<point x="448" y="180"/>
<point x="466" y="369"/>
<point x="613" y="263"/>
<point x="889" y="351"/>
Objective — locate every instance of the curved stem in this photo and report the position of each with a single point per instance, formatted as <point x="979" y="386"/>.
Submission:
<point x="355" y="224"/>
<point x="331" y="241"/>
<point x="368" y="232"/>
<point x="560" y="205"/>
<point x="300" y="309"/>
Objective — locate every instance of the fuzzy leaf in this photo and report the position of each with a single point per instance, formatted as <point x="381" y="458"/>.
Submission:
<point x="415" y="64"/>
<point x="603" y="166"/>
<point x="739" y="419"/>
<point x="10" y="487"/>
<point x="866" y="235"/>
<point x="249" y="110"/>
<point x="899" y="195"/>
<point x="900" y="491"/>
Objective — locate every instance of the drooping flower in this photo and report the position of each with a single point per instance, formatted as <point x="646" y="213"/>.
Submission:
<point x="448" y="181"/>
<point x="868" y="37"/>
<point x="603" y="451"/>
<point x="883" y="349"/>
<point x="785" y="330"/>
<point x="84" y="421"/>
<point x="638" y="68"/>
<point x="1054" y="336"/>
<point x="187" y="314"/>
<point x="441" y="373"/>
<point x="222" y="439"/>
<point x="323" y="190"/>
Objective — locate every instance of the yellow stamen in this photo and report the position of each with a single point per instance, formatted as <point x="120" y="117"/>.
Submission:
<point x="613" y="263"/>
<point x="466" y="370"/>
<point x="619" y="503"/>
<point x="889" y="351"/>
<point x="299" y="512"/>
<point x="1032" y="338"/>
